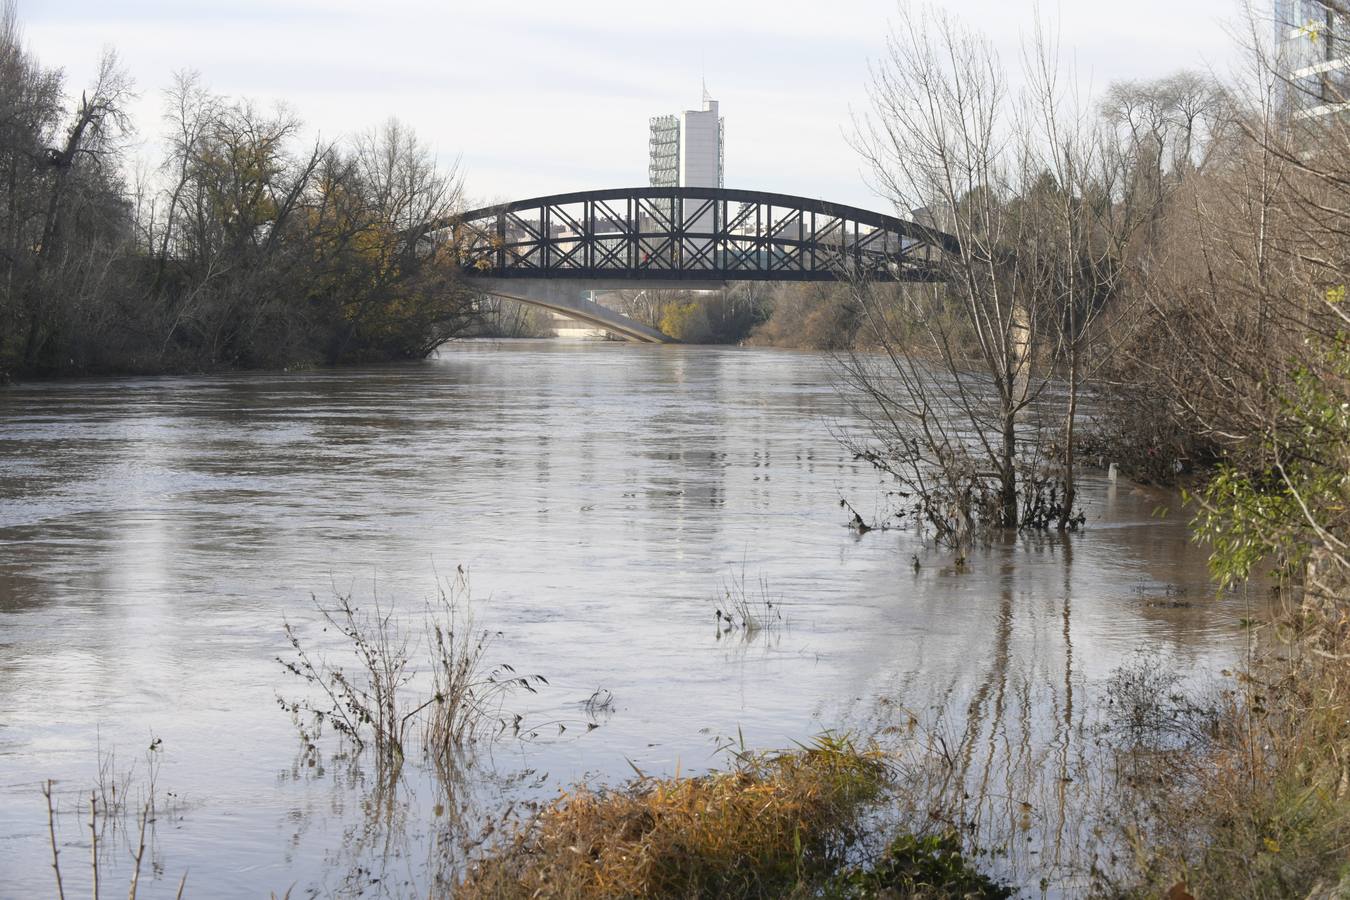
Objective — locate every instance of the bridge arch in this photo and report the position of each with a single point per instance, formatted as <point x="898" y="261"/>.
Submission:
<point x="694" y="238"/>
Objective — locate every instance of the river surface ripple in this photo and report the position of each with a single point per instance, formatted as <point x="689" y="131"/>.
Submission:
<point x="156" y="532"/>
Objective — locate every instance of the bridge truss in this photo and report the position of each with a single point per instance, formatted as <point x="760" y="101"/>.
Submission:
<point x="699" y="235"/>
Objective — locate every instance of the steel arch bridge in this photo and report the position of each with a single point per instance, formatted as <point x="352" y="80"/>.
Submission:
<point x="542" y="250"/>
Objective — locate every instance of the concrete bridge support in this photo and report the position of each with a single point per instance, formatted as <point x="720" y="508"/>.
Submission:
<point x="567" y="296"/>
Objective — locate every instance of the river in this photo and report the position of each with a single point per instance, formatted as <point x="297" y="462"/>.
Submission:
<point x="155" y="533"/>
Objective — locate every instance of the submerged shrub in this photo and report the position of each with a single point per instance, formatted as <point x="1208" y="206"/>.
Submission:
<point x="772" y="824"/>
<point x="746" y="609"/>
<point x="1262" y="808"/>
<point x="1147" y="708"/>
<point x="439" y="682"/>
<point x="914" y="866"/>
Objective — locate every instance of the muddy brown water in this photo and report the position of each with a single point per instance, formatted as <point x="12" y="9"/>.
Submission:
<point x="156" y="532"/>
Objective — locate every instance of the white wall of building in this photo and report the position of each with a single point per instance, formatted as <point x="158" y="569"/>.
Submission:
<point x="699" y="164"/>
<point x="700" y="147"/>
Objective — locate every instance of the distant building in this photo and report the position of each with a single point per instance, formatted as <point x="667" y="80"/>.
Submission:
<point x="663" y="169"/>
<point x="685" y="150"/>
<point x="1313" y="46"/>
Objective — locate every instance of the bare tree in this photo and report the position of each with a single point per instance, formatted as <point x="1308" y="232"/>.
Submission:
<point x="945" y="138"/>
<point x="1107" y="180"/>
<point x="66" y="278"/>
<point x="100" y="118"/>
<point x="1055" y="211"/>
<point x="1241" y="255"/>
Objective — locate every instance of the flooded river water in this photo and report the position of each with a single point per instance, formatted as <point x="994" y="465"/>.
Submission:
<point x="155" y="533"/>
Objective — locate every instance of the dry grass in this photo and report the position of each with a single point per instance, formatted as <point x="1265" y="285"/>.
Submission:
<point x="771" y="824"/>
<point x="442" y="687"/>
<point x="468" y="691"/>
<point x="747" y="609"/>
<point x="108" y="810"/>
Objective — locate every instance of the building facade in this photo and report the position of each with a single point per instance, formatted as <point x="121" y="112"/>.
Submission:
<point x="1313" y="47"/>
<point x="663" y="167"/>
<point x="686" y="151"/>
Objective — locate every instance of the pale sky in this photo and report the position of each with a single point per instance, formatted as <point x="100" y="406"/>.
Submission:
<point x="540" y="97"/>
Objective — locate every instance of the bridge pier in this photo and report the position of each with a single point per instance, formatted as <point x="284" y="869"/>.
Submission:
<point x="567" y="296"/>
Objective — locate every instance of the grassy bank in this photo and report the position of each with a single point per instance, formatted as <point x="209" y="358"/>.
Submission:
<point x="1246" y="797"/>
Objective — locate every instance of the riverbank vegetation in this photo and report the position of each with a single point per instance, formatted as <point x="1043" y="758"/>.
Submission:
<point x="1176" y="248"/>
<point x="1272" y="797"/>
<point x="242" y="246"/>
<point x="1259" y="806"/>
<point x="787" y="824"/>
<point x="1181" y="249"/>
<point x="724" y="316"/>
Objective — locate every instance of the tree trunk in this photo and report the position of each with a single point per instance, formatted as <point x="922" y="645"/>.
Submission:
<point x="1071" y="413"/>
<point x="1008" y="470"/>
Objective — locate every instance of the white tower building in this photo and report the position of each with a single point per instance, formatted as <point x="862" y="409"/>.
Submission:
<point x="701" y="146"/>
<point x="686" y="150"/>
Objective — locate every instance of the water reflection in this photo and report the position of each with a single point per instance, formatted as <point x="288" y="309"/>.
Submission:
<point x="154" y="533"/>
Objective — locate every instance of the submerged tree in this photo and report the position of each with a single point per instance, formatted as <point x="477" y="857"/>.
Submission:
<point x="941" y="141"/>
<point x="974" y="404"/>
